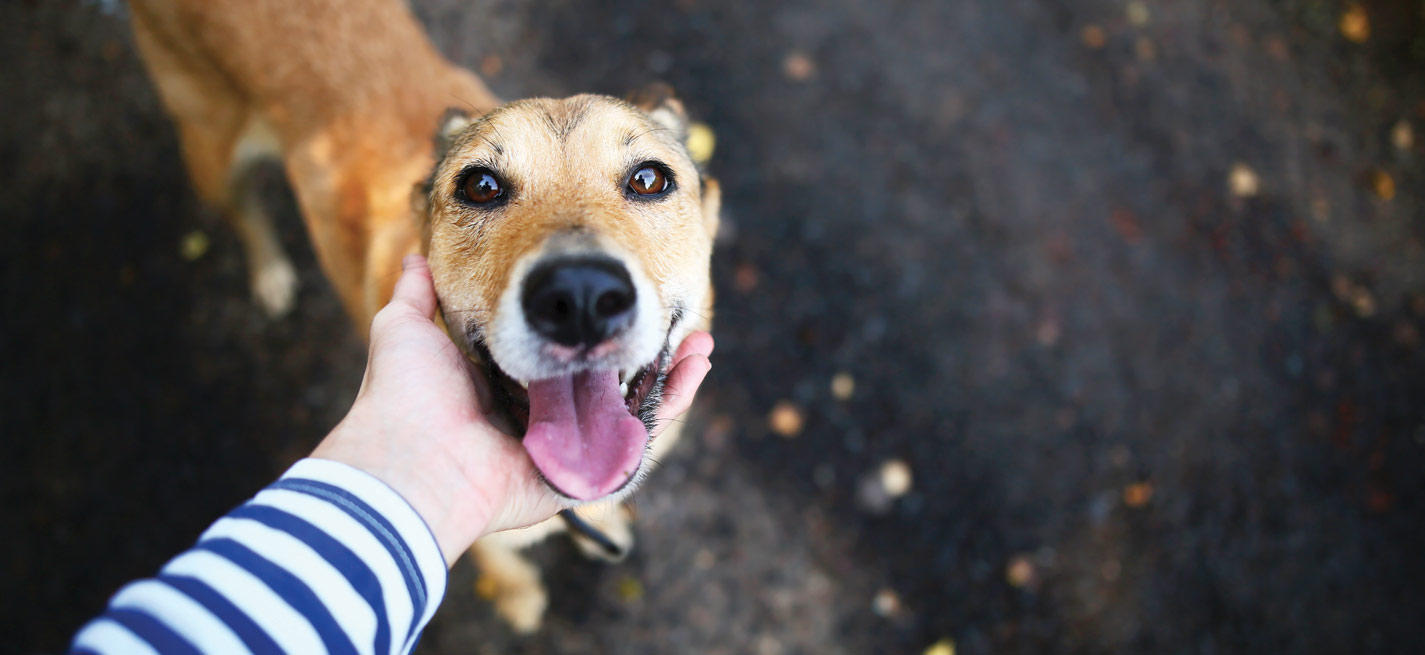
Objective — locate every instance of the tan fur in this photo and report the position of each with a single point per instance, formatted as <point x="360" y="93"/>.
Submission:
<point x="348" y="94"/>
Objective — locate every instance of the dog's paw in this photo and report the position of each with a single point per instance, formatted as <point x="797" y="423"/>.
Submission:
<point x="520" y="605"/>
<point x="274" y="286"/>
<point x="615" y="538"/>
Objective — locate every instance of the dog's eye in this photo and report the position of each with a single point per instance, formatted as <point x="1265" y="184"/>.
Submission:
<point x="648" y="180"/>
<point x="481" y="187"/>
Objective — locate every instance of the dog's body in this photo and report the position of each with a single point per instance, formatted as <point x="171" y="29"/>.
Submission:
<point x="569" y="239"/>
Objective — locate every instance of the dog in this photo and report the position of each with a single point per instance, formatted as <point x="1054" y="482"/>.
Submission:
<point x="569" y="239"/>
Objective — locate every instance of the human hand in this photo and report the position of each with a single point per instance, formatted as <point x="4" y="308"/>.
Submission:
<point x="421" y="423"/>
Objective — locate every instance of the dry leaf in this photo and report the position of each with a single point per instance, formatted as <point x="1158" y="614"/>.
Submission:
<point x="1019" y="572"/>
<point x="798" y="66"/>
<point x="942" y="647"/>
<point x="701" y="142"/>
<point x="843" y="386"/>
<point x="1093" y="37"/>
<point x="193" y="246"/>
<point x="786" y="419"/>
<point x="1355" y="24"/>
<point x="895" y="477"/>
<point x="1137" y="494"/>
<point x="1243" y="181"/>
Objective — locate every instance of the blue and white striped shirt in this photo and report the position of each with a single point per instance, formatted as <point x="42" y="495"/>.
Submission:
<point x="327" y="559"/>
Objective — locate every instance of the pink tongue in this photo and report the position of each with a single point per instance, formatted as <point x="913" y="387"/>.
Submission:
<point x="581" y="435"/>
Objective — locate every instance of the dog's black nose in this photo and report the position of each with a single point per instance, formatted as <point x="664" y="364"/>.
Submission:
<point x="579" y="302"/>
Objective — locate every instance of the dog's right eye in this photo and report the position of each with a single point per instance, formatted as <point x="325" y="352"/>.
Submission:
<point x="479" y="186"/>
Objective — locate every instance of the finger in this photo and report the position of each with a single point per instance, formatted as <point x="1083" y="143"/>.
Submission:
<point x="682" y="386"/>
<point x="415" y="289"/>
<point x="696" y="343"/>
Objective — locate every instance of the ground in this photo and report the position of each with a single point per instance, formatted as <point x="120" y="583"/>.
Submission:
<point x="1134" y="292"/>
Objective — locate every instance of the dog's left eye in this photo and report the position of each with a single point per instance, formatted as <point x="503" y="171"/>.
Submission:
<point x="649" y="180"/>
<point x="481" y="187"/>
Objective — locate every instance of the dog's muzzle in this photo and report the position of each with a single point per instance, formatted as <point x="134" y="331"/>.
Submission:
<point x="579" y="302"/>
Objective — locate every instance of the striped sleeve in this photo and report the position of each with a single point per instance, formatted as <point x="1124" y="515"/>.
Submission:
<point x="327" y="559"/>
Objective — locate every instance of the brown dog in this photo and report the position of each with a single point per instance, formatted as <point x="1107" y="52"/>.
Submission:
<point x="569" y="239"/>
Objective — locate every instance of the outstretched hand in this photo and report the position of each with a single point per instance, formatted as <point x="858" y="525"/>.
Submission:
<point x="421" y="423"/>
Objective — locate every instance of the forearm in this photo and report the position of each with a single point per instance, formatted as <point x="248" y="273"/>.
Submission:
<point x="327" y="558"/>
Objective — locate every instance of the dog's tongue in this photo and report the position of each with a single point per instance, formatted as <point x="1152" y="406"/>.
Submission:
<point x="581" y="435"/>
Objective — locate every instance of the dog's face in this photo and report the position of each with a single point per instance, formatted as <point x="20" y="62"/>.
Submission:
<point x="570" y="243"/>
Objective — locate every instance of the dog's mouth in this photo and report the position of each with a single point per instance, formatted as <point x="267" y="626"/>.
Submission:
<point x="586" y="431"/>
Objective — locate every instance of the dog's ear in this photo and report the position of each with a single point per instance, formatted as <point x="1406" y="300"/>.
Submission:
<point x="452" y="123"/>
<point x="658" y="101"/>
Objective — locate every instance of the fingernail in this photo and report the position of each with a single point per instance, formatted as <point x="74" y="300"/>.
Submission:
<point x="408" y="261"/>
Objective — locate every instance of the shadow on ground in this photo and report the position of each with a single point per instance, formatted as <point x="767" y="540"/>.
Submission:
<point x="1135" y="290"/>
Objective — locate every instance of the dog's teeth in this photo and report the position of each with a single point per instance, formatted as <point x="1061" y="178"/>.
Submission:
<point x="623" y="388"/>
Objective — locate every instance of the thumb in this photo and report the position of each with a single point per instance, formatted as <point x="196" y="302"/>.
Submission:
<point x="416" y="289"/>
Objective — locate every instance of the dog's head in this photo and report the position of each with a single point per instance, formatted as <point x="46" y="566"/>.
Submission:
<point x="570" y="243"/>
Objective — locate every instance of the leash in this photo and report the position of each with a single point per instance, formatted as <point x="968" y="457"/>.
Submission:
<point x="577" y="524"/>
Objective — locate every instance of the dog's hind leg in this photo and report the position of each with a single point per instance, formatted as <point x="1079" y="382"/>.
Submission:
<point x="221" y="141"/>
<point x="270" y="272"/>
<point x="511" y="582"/>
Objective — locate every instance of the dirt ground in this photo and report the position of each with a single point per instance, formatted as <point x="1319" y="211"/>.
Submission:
<point x="1135" y="290"/>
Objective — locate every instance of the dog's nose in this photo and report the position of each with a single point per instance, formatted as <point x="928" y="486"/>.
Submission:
<point x="579" y="302"/>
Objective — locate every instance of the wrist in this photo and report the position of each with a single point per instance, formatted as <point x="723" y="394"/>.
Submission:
<point x="431" y="482"/>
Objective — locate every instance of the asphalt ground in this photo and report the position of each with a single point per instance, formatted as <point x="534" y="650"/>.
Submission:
<point x="1133" y="291"/>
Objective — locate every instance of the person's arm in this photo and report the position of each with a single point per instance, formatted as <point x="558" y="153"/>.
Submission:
<point x="326" y="559"/>
<point x="347" y="551"/>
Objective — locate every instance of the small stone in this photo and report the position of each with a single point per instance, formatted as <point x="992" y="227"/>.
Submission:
<point x="843" y="386"/>
<point x="1355" y="24"/>
<point x="1242" y="181"/>
<point x="1137" y="13"/>
<point x="1093" y="37"/>
<point x="943" y="647"/>
<point x="1137" y="494"/>
<point x="895" y="477"/>
<point x="193" y="246"/>
<point x="886" y="603"/>
<point x="701" y="142"/>
<point x="785" y="419"/>
<point x="1402" y="136"/>
<point x="798" y="66"/>
<point x="704" y="559"/>
<point x="1019" y="572"/>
